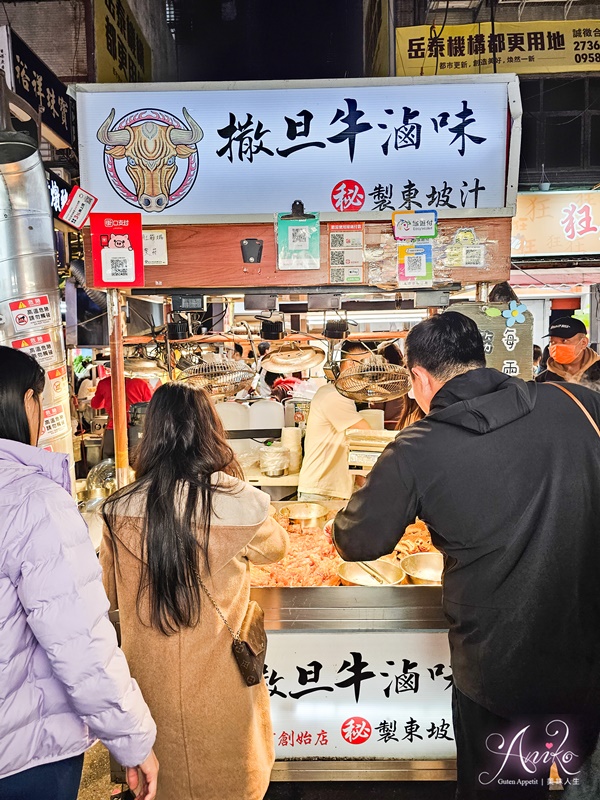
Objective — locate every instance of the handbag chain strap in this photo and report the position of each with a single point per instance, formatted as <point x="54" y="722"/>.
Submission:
<point x="235" y="636"/>
<point x="579" y="403"/>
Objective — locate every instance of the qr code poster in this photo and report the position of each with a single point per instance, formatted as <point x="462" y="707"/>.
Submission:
<point x="298" y="242"/>
<point x="346" y="251"/>
<point x="415" y="265"/>
<point x="350" y="236"/>
<point x="465" y="250"/>
<point x="117" y="250"/>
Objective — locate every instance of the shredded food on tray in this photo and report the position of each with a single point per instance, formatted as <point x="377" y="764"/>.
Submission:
<point x="416" y="539"/>
<point x="312" y="560"/>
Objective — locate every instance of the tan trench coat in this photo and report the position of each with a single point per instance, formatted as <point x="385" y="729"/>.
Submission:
<point x="215" y="739"/>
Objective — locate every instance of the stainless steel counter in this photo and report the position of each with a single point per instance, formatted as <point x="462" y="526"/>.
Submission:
<point x="360" y="608"/>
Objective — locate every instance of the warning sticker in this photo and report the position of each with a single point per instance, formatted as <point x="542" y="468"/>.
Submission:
<point x="57" y="379"/>
<point x="40" y="347"/>
<point x="31" y="312"/>
<point x="55" y="421"/>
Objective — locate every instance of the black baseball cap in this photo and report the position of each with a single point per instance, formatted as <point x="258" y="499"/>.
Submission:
<point x="566" y="328"/>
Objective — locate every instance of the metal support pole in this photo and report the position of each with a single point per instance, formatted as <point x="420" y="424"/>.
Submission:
<point x="595" y="313"/>
<point x="117" y="374"/>
<point x="168" y="350"/>
<point x="482" y="291"/>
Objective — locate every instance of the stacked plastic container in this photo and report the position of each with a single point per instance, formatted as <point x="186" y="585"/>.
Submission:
<point x="30" y="317"/>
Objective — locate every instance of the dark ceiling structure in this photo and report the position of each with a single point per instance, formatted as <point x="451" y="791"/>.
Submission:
<point x="267" y="39"/>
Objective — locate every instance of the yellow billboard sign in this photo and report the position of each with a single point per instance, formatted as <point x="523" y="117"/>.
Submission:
<point x="522" y="47"/>
<point x="122" y="52"/>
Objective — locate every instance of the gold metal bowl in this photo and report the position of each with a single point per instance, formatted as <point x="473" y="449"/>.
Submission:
<point x="353" y="575"/>
<point x="424" y="568"/>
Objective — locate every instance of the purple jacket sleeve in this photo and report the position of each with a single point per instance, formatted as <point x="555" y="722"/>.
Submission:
<point x="60" y="588"/>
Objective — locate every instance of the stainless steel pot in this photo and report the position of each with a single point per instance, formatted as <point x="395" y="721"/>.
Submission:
<point x="306" y="515"/>
<point x="424" y="568"/>
<point x="354" y="575"/>
<point x="275" y="473"/>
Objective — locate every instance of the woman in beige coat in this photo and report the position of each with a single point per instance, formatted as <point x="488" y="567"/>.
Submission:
<point x="189" y="514"/>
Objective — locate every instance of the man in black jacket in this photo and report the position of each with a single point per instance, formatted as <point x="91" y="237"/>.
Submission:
<point x="506" y="474"/>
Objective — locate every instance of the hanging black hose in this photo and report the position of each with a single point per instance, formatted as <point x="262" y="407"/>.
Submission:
<point x="95" y="295"/>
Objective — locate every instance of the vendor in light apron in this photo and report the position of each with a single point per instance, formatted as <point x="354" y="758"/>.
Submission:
<point x="325" y="474"/>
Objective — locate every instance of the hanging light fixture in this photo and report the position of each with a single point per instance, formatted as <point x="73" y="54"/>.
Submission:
<point x="272" y="328"/>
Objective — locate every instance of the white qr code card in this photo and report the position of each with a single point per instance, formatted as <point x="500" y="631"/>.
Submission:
<point x="118" y="266"/>
<point x="415" y="265"/>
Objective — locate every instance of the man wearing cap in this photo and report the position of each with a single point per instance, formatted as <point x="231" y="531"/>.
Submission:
<point x="570" y="355"/>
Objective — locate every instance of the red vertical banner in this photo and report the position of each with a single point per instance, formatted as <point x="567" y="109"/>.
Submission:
<point x="117" y="250"/>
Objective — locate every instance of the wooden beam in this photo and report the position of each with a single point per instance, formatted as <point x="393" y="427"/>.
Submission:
<point x="210" y="256"/>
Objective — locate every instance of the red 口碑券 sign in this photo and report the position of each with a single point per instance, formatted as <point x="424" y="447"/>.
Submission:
<point x="117" y="250"/>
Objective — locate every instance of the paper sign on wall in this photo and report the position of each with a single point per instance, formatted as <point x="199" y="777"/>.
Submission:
<point x="155" y="248"/>
<point x="466" y="250"/>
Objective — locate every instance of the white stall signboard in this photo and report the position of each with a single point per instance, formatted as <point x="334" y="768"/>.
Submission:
<point x="360" y="695"/>
<point x="185" y="154"/>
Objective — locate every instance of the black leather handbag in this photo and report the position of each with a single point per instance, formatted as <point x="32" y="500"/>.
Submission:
<point x="250" y="646"/>
<point x="249" y="643"/>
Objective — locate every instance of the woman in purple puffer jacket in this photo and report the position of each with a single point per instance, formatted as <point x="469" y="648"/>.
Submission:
<point x="64" y="683"/>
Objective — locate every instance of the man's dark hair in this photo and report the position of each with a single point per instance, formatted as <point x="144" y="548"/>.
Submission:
<point x="352" y="346"/>
<point x="238" y="348"/>
<point x="393" y="355"/>
<point x="263" y="347"/>
<point x="445" y="345"/>
<point x="270" y="378"/>
<point x="537" y="352"/>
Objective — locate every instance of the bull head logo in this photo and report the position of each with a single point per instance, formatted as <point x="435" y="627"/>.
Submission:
<point x="151" y="150"/>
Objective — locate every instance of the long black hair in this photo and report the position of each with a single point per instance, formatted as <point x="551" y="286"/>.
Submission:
<point x="19" y="373"/>
<point x="183" y="446"/>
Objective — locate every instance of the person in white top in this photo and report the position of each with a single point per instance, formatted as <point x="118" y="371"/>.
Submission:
<point x="325" y="474"/>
